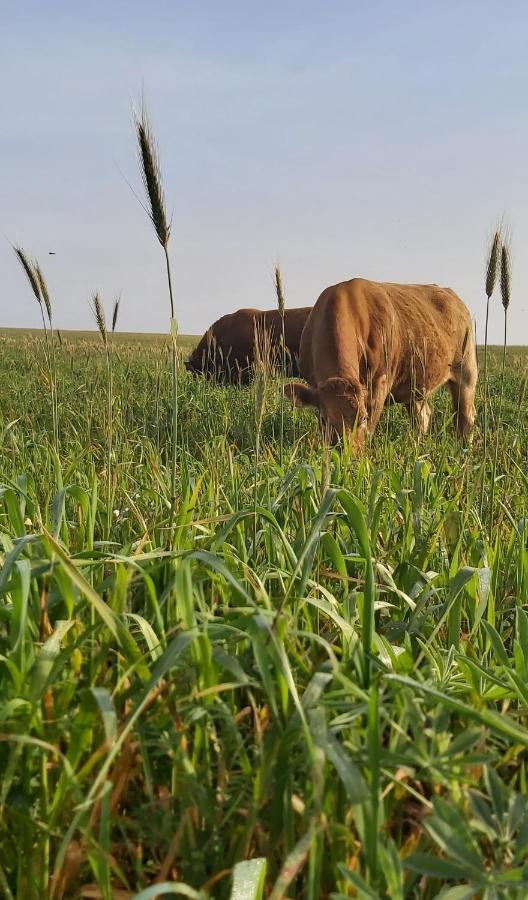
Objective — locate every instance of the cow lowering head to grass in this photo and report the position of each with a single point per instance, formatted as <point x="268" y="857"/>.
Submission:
<point x="366" y="342"/>
<point x="226" y="351"/>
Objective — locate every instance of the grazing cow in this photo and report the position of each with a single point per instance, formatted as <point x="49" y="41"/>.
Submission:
<point x="367" y="342"/>
<point x="227" y="349"/>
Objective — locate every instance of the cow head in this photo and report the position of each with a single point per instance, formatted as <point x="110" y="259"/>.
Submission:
<point x="192" y="364"/>
<point x="205" y="358"/>
<point x="341" y="404"/>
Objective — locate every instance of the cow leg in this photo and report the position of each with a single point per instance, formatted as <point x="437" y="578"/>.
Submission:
<point x="419" y="414"/>
<point x="463" y="384"/>
<point x="463" y="397"/>
<point x="377" y="396"/>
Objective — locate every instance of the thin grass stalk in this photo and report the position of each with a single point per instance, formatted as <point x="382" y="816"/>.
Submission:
<point x="8" y="894"/>
<point x="491" y="278"/>
<point x="261" y="347"/>
<point x="505" y="284"/>
<point x="260" y="391"/>
<point x="110" y="438"/>
<point x="101" y="325"/>
<point x="372" y="817"/>
<point x="45" y="839"/>
<point x="174" y="367"/>
<point x="153" y="184"/>
<point x="46" y="302"/>
<point x="281" y="304"/>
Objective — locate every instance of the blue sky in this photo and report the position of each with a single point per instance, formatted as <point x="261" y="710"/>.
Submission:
<point x="379" y="139"/>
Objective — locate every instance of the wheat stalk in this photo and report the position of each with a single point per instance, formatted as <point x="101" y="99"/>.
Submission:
<point x="260" y="402"/>
<point x="100" y="318"/>
<point x="260" y="399"/>
<point x="281" y="304"/>
<point x="40" y="290"/>
<point x="150" y="169"/>
<point x="492" y="266"/>
<point x="261" y="367"/>
<point x="505" y="288"/>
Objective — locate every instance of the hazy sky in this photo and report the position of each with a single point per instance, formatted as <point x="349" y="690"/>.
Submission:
<point x="381" y="139"/>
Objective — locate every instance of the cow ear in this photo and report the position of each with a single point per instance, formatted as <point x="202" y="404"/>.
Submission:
<point x="301" y="394"/>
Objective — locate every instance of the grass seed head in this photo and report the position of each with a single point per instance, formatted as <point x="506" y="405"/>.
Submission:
<point x="151" y="175"/>
<point x="505" y="276"/>
<point x="43" y="288"/>
<point x="29" y="269"/>
<point x="99" y="315"/>
<point x="115" y="312"/>
<point x="493" y="262"/>
<point x="281" y="303"/>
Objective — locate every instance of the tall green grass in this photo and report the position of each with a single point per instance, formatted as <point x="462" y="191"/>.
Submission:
<point x="150" y="170"/>
<point x="492" y="270"/>
<point x="340" y="691"/>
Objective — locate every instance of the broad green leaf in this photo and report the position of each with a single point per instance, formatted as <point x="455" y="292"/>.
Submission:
<point x="40" y="673"/>
<point x="169" y="887"/>
<point x="106" y="708"/>
<point x="292" y="865"/>
<point x="249" y="877"/>
<point x="118" y="629"/>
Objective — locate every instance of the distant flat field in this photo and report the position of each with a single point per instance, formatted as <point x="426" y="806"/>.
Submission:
<point x="122" y="337"/>
<point x="185" y="341"/>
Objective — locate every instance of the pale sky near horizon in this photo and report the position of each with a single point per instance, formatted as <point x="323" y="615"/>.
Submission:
<point x="342" y="138"/>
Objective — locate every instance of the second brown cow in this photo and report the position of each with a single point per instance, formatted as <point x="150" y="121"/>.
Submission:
<point x="227" y="349"/>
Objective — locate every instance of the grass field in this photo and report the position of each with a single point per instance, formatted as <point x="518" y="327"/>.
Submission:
<point x="325" y="666"/>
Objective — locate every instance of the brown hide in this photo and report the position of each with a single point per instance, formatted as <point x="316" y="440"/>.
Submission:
<point x="226" y="351"/>
<point x="366" y="342"/>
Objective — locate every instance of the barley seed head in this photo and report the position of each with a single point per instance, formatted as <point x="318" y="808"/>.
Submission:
<point x="493" y="262"/>
<point x="43" y="288"/>
<point x="281" y="303"/>
<point x="115" y="312"/>
<point x="150" y="168"/>
<point x="28" y="267"/>
<point x="98" y="311"/>
<point x="505" y="276"/>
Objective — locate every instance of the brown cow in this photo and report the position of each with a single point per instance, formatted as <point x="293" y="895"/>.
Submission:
<point x="226" y="351"/>
<point x="366" y="342"/>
